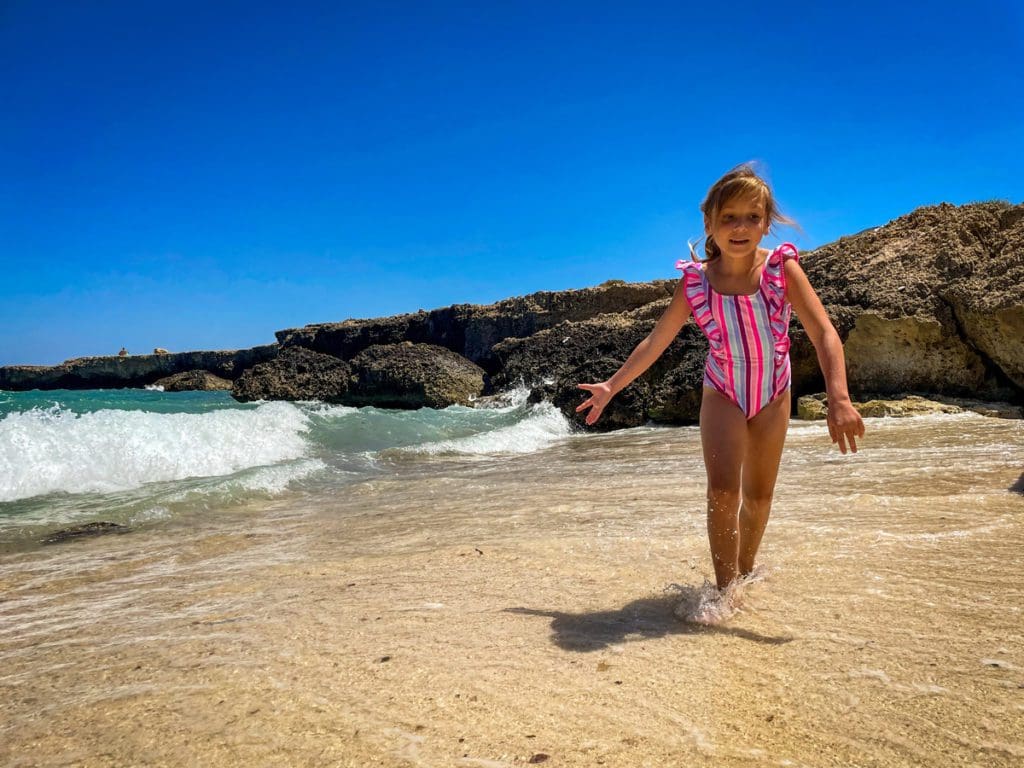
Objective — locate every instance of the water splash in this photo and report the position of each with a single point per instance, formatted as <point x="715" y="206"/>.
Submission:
<point x="711" y="606"/>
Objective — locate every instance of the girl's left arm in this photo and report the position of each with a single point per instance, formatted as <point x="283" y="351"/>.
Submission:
<point x="844" y="423"/>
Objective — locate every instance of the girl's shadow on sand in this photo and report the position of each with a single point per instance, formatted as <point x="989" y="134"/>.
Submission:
<point x="643" y="619"/>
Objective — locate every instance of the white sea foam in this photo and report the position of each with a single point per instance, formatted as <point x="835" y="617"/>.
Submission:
<point x="543" y="426"/>
<point x="326" y="410"/>
<point x="57" y="450"/>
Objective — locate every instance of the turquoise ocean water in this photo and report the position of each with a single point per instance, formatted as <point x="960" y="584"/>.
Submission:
<point x="147" y="458"/>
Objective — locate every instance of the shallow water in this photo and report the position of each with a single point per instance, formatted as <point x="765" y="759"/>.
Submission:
<point x="478" y="610"/>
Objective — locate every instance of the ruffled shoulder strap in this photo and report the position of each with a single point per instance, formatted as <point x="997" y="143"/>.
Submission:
<point x="775" y="277"/>
<point x="693" y="285"/>
<point x="783" y="252"/>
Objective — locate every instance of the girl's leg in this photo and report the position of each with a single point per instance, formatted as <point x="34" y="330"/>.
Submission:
<point x="766" y="433"/>
<point x="723" y="434"/>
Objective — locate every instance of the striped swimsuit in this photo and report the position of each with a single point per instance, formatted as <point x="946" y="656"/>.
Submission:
<point x="748" y="359"/>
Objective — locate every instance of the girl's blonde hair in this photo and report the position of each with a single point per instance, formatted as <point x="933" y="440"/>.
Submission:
<point x="742" y="181"/>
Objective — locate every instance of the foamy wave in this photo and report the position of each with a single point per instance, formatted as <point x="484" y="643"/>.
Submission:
<point x="326" y="410"/>
<point x="270" y="480"/>
<point x="544" y="425"/>
<point x="504" y="400"/>
<point x="56" y="450"/>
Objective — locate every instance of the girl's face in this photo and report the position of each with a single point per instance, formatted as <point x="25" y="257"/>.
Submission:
<point x="740" y="226"/>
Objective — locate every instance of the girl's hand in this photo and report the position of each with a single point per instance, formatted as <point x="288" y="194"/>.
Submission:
<point x="600" y="395"/>
<point x="844" y="424"/>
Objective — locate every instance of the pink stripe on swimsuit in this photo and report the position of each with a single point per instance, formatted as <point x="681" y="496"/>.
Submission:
<point x="748" y="359"/>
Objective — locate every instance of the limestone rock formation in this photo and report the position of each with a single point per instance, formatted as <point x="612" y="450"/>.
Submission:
<point x="932" y="301"/>
<point x="813" y="407"/>
<point x="131" y="371"/>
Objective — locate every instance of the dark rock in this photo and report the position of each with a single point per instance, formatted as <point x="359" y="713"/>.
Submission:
<point x="81" y="531"/>
<point x="411" y="375"/>
<point x="295" y="374"/>
<point x="473" y="330"/>
<point x="203" y="381"/>
<point x="591" y="351"/>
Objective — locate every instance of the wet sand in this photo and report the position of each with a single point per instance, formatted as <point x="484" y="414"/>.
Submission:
<point x="493" y="613"/>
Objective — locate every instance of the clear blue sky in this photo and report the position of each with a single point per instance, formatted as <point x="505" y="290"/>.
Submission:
<point x="197" y="175"/>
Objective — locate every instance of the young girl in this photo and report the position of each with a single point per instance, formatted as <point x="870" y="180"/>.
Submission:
<point x="740" y="296"/>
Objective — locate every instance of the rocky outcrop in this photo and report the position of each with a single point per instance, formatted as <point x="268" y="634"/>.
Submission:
<point x="471" y="330"/>
<point x="411" y="375"/>
<point x="932" y="301"/>
<point x="295" y="374"/>
<point x="404" y="375"/>
<point x="192" y="381"/>
<point x="132" y="370"/>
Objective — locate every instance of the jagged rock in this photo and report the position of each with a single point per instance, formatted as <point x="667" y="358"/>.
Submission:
<point x="411" y="375"/>
<point x="132" y="371"/>
<point x="295" y="374"/>
<point x="472" y="330"/>
<point x="193" y="381"/>
<point x="555" y="361"/>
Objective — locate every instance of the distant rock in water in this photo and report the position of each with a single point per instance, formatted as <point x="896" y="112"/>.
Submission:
<point x="114" y="372"/>
<point x="203" y="381"/>
<point x="87" y="529"/>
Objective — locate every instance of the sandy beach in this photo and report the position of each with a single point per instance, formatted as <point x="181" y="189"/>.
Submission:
<point x="499" y="613"/>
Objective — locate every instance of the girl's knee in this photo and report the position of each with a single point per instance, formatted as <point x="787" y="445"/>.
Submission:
<point x="757" y="502"/>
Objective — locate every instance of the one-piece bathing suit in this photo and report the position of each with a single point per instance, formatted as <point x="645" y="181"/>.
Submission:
<point x="748" y="335"/>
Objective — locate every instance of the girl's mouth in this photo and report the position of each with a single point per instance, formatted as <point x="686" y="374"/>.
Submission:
<point x="738" y="242"/>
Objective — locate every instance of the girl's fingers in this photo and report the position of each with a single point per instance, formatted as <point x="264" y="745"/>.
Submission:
<point x="853" y="442"/>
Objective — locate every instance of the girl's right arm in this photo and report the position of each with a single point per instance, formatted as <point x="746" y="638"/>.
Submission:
<point x="646" y="352"/>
